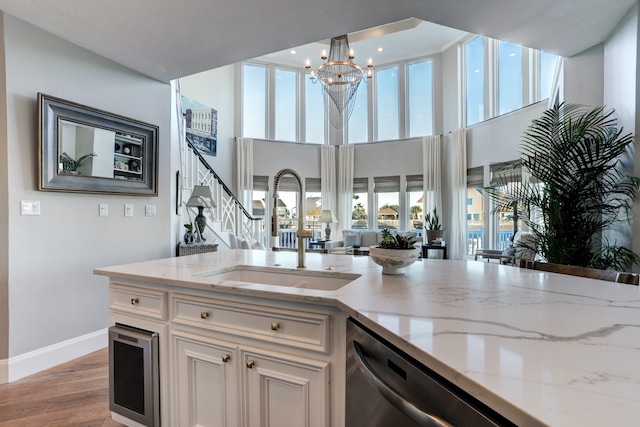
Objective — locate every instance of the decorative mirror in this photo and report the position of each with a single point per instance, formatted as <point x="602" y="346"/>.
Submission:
<point x="87" y="150"/>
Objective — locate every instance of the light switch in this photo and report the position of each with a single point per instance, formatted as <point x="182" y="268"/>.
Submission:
<point x="103" y="209"/>
<point x="150" y="210"/>
<point x="30" y="207"/>
<point x="128" y="209"/>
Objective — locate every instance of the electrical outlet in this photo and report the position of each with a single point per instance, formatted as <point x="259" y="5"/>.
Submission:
<point x="30" y="207"/>
<point x="150" y="210"/>
<point x="103" y="209"/>
<point x="128" y="209"/>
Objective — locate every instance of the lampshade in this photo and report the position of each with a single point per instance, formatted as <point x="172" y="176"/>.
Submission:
<point x="200" y="195"/>
<point x="327" y="216"/>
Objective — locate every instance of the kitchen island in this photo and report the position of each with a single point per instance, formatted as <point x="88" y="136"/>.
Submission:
<point x="539" y="348"/>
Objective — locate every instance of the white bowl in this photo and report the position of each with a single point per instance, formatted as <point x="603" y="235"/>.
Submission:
<point x="393" y="261"/>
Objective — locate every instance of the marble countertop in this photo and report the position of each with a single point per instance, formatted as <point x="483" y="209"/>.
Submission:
<point x="540" y="348"/>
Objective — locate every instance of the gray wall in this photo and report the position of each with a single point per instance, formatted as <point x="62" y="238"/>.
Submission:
<point x="51" y="294"/>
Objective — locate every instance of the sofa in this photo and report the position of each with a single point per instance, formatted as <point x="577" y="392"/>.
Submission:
<point x="363" y="239"/>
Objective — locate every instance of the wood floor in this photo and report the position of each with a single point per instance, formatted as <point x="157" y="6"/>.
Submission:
<point x="75" y="394"/>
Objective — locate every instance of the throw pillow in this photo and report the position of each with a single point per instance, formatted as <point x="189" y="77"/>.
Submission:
<point x="256" y="245"/>
<point x="242" y="243"/>
<point x="351" y="238"/>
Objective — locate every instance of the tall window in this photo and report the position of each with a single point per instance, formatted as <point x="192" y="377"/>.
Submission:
<point x="475" y="210"/>
<point x="285" y="108"/>
<point x="314" y="112"/>
<point x="474" y="72"/>
<point x="387" y="103"/>
<point x="547" y="68"/>
<point x="360" y="211"/>
<point x="254" y="101"/>
<point x="415" y="199"/>
<point x="420" y="93"/>
<point x="506" y="175"/>
<point x="359" y="122"/>
<point x="313" y="206"/>
<point x="259" y="202"/>
<point x="387" y="192"/>
<point x="509" y="77"/>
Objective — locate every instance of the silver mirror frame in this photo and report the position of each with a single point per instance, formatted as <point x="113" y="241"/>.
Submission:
<point x="52" y="110"/>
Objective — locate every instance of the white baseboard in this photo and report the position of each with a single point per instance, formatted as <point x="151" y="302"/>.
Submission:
<point x="53" y="355"/>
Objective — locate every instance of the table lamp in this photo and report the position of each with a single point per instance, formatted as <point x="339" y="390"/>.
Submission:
<point x="328" y="217"/>
<point x="201" y="197"/>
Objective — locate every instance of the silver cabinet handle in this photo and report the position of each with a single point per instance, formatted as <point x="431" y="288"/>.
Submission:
<point x="275" y="326"/>
<point x="134" y="301"/>
<point x="205" y="315"/>
<point x="226" y="358"/>
<point x="396" y="399"/>
<point x="250" y="364"/>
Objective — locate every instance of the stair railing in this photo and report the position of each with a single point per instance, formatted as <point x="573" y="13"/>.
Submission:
<point x="229" y="215"/>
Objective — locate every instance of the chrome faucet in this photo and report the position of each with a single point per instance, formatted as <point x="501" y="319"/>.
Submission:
<point x="301" y="234"/>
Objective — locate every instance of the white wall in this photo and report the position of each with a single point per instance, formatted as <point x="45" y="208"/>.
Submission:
<point x="269" y="157"/>
<point x="620" y="69"/>
<point x="215" y="89"/>
<point x="584" y="77"/>
<point x="52" y="294"/>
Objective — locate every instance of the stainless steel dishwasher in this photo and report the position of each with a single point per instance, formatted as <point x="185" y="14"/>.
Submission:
<point x="387" y="388"/>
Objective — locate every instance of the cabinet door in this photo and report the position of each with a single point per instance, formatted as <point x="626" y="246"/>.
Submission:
<point x="206" y="377"/>
<point x="283" y="390"/>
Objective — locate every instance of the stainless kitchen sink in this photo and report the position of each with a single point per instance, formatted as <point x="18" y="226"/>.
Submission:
<point x="293" y="278"/>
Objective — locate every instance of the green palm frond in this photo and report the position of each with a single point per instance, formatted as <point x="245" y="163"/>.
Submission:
<point x="575" y="153"/>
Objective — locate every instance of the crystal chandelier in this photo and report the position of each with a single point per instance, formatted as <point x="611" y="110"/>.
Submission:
<point x="340" y="79"/>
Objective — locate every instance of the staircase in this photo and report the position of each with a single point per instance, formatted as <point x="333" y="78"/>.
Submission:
<point x="229" y="216"/>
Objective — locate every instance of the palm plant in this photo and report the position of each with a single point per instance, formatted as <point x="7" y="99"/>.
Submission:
<point x="577" y="191"/>
<point x="397" y="241"/>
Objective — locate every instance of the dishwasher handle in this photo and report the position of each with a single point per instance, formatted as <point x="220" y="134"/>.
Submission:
<point x="395" y="398"/>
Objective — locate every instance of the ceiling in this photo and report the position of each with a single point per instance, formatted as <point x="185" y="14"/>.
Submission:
<point x="409" y="38"/>
<point x="168" y="39"/>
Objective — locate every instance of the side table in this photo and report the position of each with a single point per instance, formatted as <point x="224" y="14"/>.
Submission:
<point x="427" y="247"/>
<point x="196" y="248"/>
<point x="316" y="244"/>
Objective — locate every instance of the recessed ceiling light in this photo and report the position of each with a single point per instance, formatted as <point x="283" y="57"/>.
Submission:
<point x="380" y="49"/>
<point x="293" y="52"/>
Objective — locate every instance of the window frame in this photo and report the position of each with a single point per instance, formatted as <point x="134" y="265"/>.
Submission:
<point x="343" y="134"/>
<point x="531" y="78"/>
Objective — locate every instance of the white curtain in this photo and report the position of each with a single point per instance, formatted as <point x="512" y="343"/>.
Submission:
<point x="328" y="180"/>
<point x="432" y="175"/>
<point x="458" y="217"/>
<point x="345" y="188"/>
<point x="244" y="171"/>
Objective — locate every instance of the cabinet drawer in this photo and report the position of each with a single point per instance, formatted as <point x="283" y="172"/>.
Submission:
<point x="293" y="328"/>
<point x="143" y="302"/>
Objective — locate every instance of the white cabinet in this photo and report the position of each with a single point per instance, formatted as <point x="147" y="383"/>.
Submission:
<point x="240" y="361"/>
<point x="206" y="382"/>
<point x="229" y="373"/>
<point x="127" y="154"/>
<point x="219" y="383"/>
<point x="282" y="390"/>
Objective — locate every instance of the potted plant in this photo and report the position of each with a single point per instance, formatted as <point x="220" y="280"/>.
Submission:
<point x="71" y="166"/>
<point x="432" y="226"/>
<point x="579" y="192"/>
<point x="394" y="252"/>
<point x="189" y="236"/>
